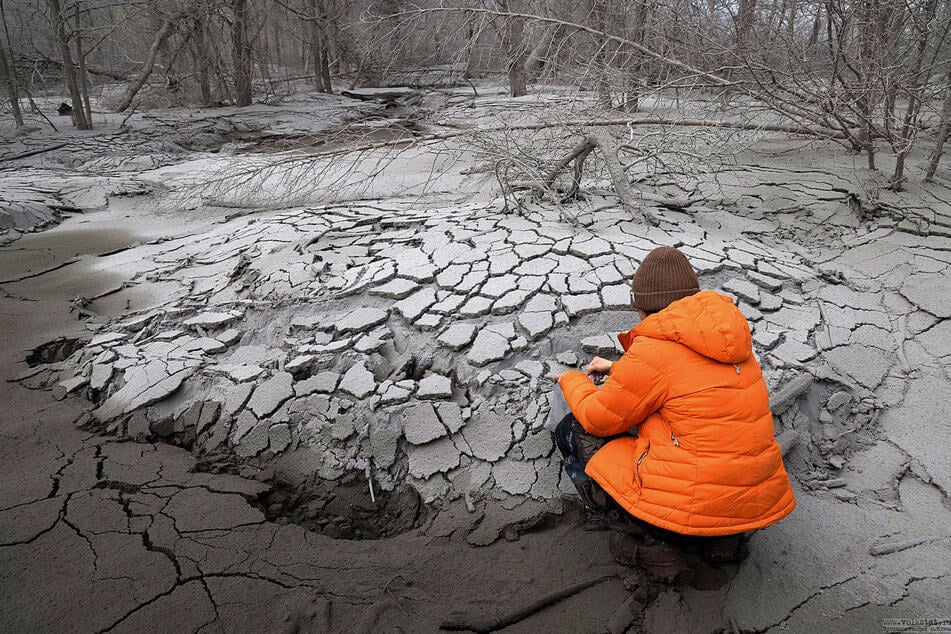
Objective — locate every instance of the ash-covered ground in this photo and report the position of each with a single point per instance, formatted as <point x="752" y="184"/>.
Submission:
<point x="314" y="397"/>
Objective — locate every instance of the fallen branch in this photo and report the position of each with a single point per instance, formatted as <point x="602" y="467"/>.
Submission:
<point x="92" y="70"/>
<point x="622" y="186"/>
<point x="466" y="131"/>
<point x="793" y="389"/>
<point x="483" y="623"/>
<point x="43" y="150"/>
<point x="578" y="155"/>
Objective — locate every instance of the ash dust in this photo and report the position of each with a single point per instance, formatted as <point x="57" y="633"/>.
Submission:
<point x="232" y="487"/>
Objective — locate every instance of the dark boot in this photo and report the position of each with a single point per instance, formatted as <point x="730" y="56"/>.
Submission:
<point x="661" y="560"/>
<point x="623" y="546"/>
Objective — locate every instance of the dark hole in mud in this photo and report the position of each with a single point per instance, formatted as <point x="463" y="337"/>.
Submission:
<point x="53" y="351"/>
<point x="344" y="509"/>
<point x="341" y="509"/>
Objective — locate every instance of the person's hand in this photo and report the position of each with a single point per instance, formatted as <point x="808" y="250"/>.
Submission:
<point x="599" y="367"/>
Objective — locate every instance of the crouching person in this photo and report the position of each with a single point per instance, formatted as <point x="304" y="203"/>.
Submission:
<point x="703" y="468"/>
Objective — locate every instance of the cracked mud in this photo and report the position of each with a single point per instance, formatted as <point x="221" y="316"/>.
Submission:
<point x="331" y="416"/>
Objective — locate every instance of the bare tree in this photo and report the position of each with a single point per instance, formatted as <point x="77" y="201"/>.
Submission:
<point x="922" y="25"/>
<point x="943" y="127"/>
<point x="59" y="22"/>
<point x="513" y="44"/>
<point x="6" y="69"/>
<point x="241" y="52"/>
<point x="169" y="25"/>
<point x="81" y="56"/>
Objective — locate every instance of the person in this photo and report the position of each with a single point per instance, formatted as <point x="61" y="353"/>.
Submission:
<point x="703" y="468"/>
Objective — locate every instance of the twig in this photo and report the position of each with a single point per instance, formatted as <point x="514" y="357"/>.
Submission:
<point x="370" y="482"/>
<point x="484" y="623"/>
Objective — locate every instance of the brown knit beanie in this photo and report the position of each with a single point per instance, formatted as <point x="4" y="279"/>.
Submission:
<point x="664" y="276"/>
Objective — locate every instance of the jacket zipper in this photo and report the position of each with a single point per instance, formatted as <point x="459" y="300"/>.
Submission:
<point x="674" y="438"/>
<point x="637" y="467"/>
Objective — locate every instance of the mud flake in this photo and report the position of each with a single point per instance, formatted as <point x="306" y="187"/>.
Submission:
<point x="434" y="386"/>
<point x="421" y="425"/>
<point x="268" y="396"/>
<point x="438" y="456"/>
<point x="358" y="381"/>
<point x="361" y="320"/>
<point x="488" y="346"/>
<point x="514" y="476"/>
<point x="581" y="304"/>
<point x="397" y="288"/>
<point x="488" y="435"/>
<point x="457" y="336"/>
<point x="416" y="304"/>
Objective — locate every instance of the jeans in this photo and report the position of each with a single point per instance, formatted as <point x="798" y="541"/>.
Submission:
<point x="578" y="447"/>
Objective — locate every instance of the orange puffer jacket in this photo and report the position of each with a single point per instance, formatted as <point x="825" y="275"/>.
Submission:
<point x="704" y="461"/>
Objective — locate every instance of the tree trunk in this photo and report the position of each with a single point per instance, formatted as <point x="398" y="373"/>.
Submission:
<point x="202" y="58"/>
<point x="325" y="68"/>
<point x="83" y="76"/>
<point x="635" y="70"/>
<point x="816" y="28"/>
<point x="164" y="32"/>
<point x="6" y="69"/>
<point x="744" y="25"/>
<point x="918" y="79"/>
<point x="241" y="53"/>
<point x="514" y="46"/>
<point x="791" y="21"/>
<point x="7" y="58"/>
<point x="538" y="56"/>
<point x="318" y="48"/>
<point x="942" y="135"/>
<point x="599" y="13"/>
<point x="58" y="21"/>
<point x="471" y="41"/>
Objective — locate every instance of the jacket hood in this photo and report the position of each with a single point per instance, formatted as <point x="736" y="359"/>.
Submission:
<point x="707" y="322"/>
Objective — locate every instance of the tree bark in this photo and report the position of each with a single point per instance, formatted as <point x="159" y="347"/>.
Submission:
<point x="635" y="80"/>
<point x="164" y="32"/>
<point x="599" y="14"/>
<point x="744" y="26"/>
<point x="538" y="56"/>
<point x="514" y="47"/>
<point x="942" y="135"/>
<point x="202" y="57"/>
<point x="318" y="43"/>
<point x="83" y="76"/>
<point x="241" y="53"/>
<point x="59" y="23"/>
<point x="6" y="69"/>
<point x="816" y="28"/>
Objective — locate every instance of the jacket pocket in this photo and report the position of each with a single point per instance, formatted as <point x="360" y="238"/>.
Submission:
<point x="637" y="467"/>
